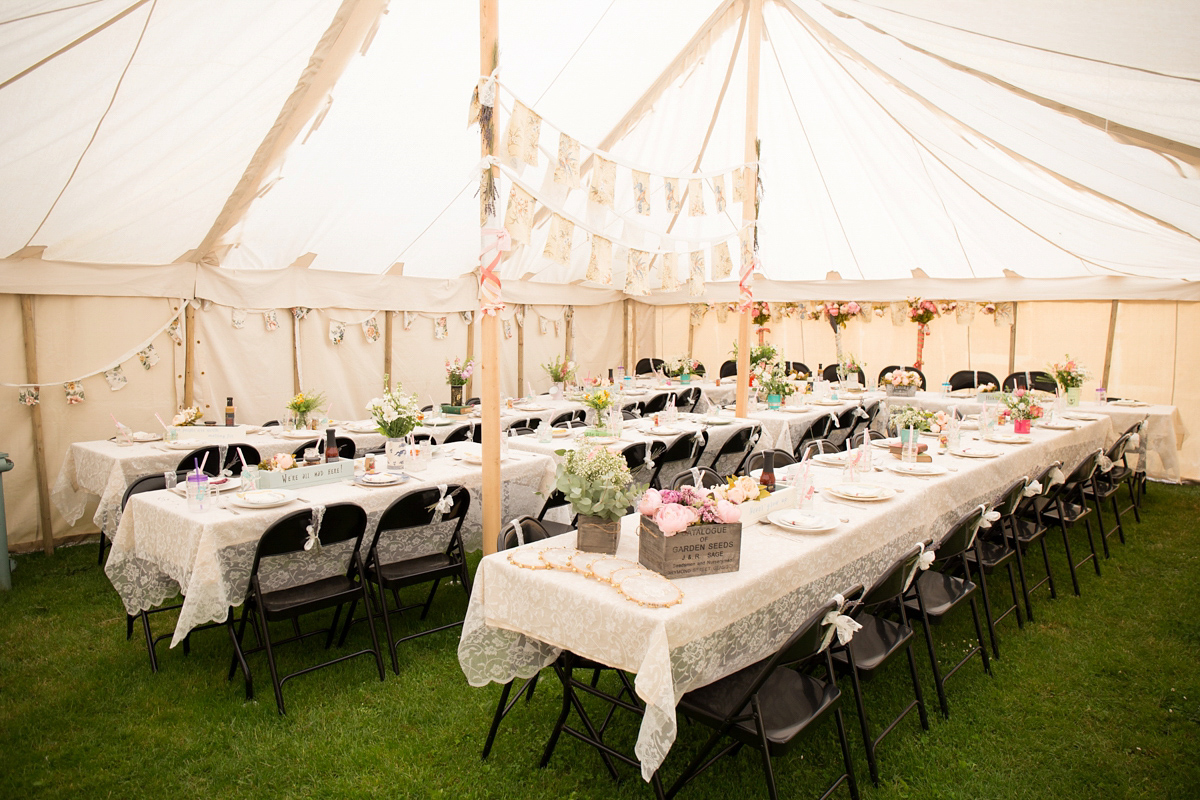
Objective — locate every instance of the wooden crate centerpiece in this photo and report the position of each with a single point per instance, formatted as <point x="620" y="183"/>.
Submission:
<point x="300" y="476"/>
<point x="698" y="550"/>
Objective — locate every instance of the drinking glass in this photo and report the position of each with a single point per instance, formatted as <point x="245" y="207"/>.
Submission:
<point x="170" y="479"/>
<point x="250" y="477"/>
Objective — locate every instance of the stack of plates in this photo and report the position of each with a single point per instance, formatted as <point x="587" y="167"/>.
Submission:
<point x="1010" y="438"/>
<point x="975" y="452"/>
<point x="380" y="479"/>
<point x="260" y="498"/>
<point x="865" y="492"/>
<point x="1130" y="403"/>
<point x="793" y="519"/>
<point x="918" y="468"/>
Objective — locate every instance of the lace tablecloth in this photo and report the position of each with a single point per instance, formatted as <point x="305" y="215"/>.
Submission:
<point x="1165" y="432"/>
<point x="160" y="549"/>
<point x="519" y="620"/>
<point x="782" y="430"/>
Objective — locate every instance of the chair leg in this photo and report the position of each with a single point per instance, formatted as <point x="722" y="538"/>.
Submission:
<point x="129" y="626"/>
<point x="920" y="695"/>
<point x="238" y="656"/>
<point x="1070" y="558"/>
<point x="261" y="621"/>
<point x="987" y="602"/>
<point x="765" y="747"/>
<point x="1087" y="526"/>
<point x="1117" y="514"/>
<point x="1012" y="585"/>
<point x="1133" y="498"/>
<point x="562" y="718"/>
<point x="851" y="781"/>
<point x="1024" y="580"/>
<point x="938" y="680"/>
<point x="987" y="662"/>
<point x="149" y="641"/>
<point x="103" y="546"/>
<point x="337" y="615"/>
<point x="863" y="724"/>
<point x="1099" y="517"/>
<point x="429" y="600"/>
<point x="1049" y="572"/>
<point x="499" y="715"/>
<point x="387" y="627"/>
<point x="362" y="579"/>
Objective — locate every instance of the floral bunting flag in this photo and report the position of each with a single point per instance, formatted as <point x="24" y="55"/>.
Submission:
<point x="521" y="138"/>
<point x="566" y="171"/>
<point x="271" y="320"/>
<point x="29" y="396"/>
<point x="964" y="310"/>
<point x="899" y="313"/>
<point x="696" y="198"/>
<point x="440" y="327"/>
<point x="558" y="242"/>
<point x="696" y="312"/>
<point x="599" y="267"/>
<point x="718" y="187"/>
<point x="1004" y="313"/>
<point x="116" y="378"/>
<point x="74" y="391"/>
<point x="671" y="188"/>
<point x="148" y="356"/>
<point x="722" y="310"/>
<point x="670" y="272"/>
<point x="722" y="261"/>
<point x="556" y="326"/>
<point x="371" y="330"/>
<point x="543" y="326"/>
<point x="173" y="332"/>
<point x="638" y="265"/>
<point x="337" y="331"/>
<point x="300" y="312"/>
<point x="641" y="192"/>
<point x="467" y="317"/>
<point x="604" y="181"/>
<point x="508" y="328"/>
<point x="238" y="317"/>
<point x="739" y="185"/>
<point x="696" y="273"/>
<point x="746" y="246"/>
<point x="409" y="316"/>
<point x="518" y="217"/>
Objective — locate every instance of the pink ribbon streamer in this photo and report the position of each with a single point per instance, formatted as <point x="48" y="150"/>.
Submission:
<point x="489" y="282"/>
<point x="745" y="292"/>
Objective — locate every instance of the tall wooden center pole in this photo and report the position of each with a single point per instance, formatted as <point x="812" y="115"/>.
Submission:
<point x="29" y="332"/>
<point x="489" y="371"/>
<point x="749" y="209"/>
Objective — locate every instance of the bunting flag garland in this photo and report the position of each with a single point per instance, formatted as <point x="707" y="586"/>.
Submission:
<point x="566" y="171"/>
<point x="271" y="320"/>
<point x="337" y="331"/>
<point x="173" y="332"/>
<point x="670" y="272"/>
<point x="558" y="241"/>
<point x="409" y="316"/>
<point x="739" y="185"/>
<point x="74" y="390"/>
<point x="696" y="312"/>
<point x="718" y="187"/>
<point x="521" y="138"/>
<point x="696" y="198"/>
<point x="722" y="262"/>
<point x="671" y="188"/>
<point x="116" y="378"/>
<point x="635" y="272"/>
<point x="641" y="192"/>
<point x="147" y="355"/>
<point x="371" y="330"/>
<point x="1004" y="313"/>
<point x="506" y="324"/>
<point x="518" y="217"/>
<point x="600" y="261"/>
<point x="899" y="313"/>
<point x="556" y="326"/>
<point x="29" y="396"/>
<point x="722" y="310"/>
<point x="543" y="326"/>
<point x="440" y="327"/>
<point x="696" y="273"/>
<point x="467" y="317"/>
<point x="300" y="312"/>
<point x="604" y="181"/>
<point x="237" y="317"/>
<point x="964" y="310"/>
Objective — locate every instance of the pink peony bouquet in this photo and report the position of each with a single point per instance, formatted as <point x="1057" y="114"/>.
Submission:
<point x="922" y="311"/>
<point x="838" y="314"/>
<point x="1022" y="404"/>
<point x="279" y="462"/>
<point x="902" y="377"/>
<point x="675" y="510"/>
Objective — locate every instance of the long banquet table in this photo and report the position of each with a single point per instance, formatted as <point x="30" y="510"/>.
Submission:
<point x="519" y="620"/>
<point x="161" y="549"/>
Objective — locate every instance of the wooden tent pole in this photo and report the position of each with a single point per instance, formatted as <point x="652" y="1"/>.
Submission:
<point x="1108" y="348"/>
<point x="569" y="335"/>
<point x="489" y="55"/>
<point x="470" y="387"/>
<point x="749" y="210"/>
<point x="39" y="434"/>
<point x="1012" y="342"/>
<point x="387" y="342"/>
<point x="521" y="356"/>
<point x="189" y="355"/>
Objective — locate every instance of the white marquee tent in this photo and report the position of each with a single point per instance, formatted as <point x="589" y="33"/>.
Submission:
<point x="255" y="156"/>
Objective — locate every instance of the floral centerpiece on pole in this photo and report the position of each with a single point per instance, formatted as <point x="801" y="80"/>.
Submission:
<point x="837" y="314"/>
<point x="761" y="315"/>
<point x="922" y="312"/>
<point x="560" y="371"/>
<point x="600" y="488"/>
<point x="771" y="379"/>
<point x="395" y="416"/>
<point x="457" y="375"/>
<point x="1022" y="407"/>
<point x="187" y="416"/>
<point x="303" y="404"/>
<point x="901" y="382"/>
<point x="1070" y="376"/>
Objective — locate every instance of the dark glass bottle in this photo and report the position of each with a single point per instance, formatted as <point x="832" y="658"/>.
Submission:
<point x="767" y="478"/>
<point x="331" y="448"/>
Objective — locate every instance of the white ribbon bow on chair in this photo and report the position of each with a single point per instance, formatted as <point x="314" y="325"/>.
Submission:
<point x="515" y="524"/>
<point x="834" y="419"/>
<point x="927" y="558"/>
<point x="988" y="518"/>
<point x="1034" y="488"/>
<point x="861" y="412"/>
<point x="445" y="502"/>
<point x="695" y="476"/>
<point x="837" y="622"/>
<point x="314" y="529"/>
<point x="1057" y="477"/>
<point x="1104" y="463"/>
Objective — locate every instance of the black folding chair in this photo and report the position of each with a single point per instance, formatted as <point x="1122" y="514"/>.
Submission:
<point x="291" y="537"/>
<point x="1030" y="379"/>
<point x="641" y="458"/>
<point x="886" y="370"/>
<point x="768" y="706"/>
<point x="831" y="374"/>
<point x="995" y="548"/>
<point x="877" y="643"/>
<point x="407" y="517"/>
<point x="971" y="379"/>
<point x="847" y="421"/>
<point x="1028" y="528"/>
<point x="755" y="461"/>
<point x="648" y="366"/>
<point x="463" y="433"/>
<point x="936" y="593"/>
<point x="864" y="437"/>
<point x="345" y="445"/>
<point x="796" y="366"/>
<point x="706" y="477"/>
<point x="816" y="431"/>
<point x="735" y="450"/>
<point x="565" y="419"/>
<point x="657" y="403"/>
<point x="680" y="454"/>
<point x="688" y="399"/>
<point x="232" y="462"/>
<point x="818" y="447"/>
<point x="1107" y="484"/>
<point x="1065" y="505"/>
<point x="728" y="369"/>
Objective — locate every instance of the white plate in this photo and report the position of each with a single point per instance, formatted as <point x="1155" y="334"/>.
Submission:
<point x="715" y="420"/>
<point x="294" y="434"/>
<point x="531" y="408"/>
<point x="260" y="498"/>
<point x="830" y="459"/>
<point x="864" y="492"/>
<point x="660" y="431"/>
<point x="361" y="427"/>
<point x="793" y="519"/>
<point x="795" y="409"/>
<point x="1080" y="415"/>
<point x="379" y="479"/>
<point x="1058" y="426"/>
<point x="600" y="439"/>
<point x="828" y="402"/>
<point x="559" y="433"/>
<point x="919" y="468"/>
<point x="885" y="443"/>
<point x="439" y="422"/>
<point x="185" y="444"/>
<point x="143" y="436"/>
<point x="477" y="458"/>
<point x="1010" y="438"/>
<point x="975" y="452"/>
<point x="1130" y="403"/>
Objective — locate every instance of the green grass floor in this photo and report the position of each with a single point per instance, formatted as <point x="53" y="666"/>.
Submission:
<point x="1100" y="698"/>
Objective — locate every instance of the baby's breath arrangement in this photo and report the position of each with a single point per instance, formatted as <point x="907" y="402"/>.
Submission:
<point x="597" y="481"/>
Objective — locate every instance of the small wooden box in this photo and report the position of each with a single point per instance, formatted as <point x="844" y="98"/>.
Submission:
<point x="699" y="550"/>
<point x="300" y="476"/>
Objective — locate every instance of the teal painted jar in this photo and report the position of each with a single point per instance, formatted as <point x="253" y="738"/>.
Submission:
<point x="774" y="402"/>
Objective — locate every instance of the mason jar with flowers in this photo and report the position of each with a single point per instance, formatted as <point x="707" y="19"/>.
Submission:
<point x="1070" y="376"/>
<point x="1022" y="408"/>
<point x="600" y="488"/>
<point x="910" y="418"/>
<point x="600" y="402"/>
<point x="682" y="368"/>
<point x="560" y="371"/>
<point x="850" y="371"/>
<point x="303" y="405"/>
<point x="772" y="380"/>
<point x="457" y="375"/>
<point x="395" y="416"/>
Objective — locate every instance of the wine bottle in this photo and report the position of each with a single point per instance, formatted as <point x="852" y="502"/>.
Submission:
<point x="767" y="478"/>
<point x="331" y="448"/>
<point x="229" y="409"/>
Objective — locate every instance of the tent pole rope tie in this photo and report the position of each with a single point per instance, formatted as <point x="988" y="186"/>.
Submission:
<point x="745" y="292"/>
<point x="489" y="281"/>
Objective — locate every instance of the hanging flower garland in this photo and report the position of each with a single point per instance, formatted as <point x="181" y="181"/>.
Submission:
<point x="760" y="315"/>
<point x="921" y="311"/>
<point x="838" y="314"/>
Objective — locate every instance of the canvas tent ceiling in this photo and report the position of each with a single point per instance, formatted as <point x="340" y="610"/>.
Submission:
<point x="896" y="137"/>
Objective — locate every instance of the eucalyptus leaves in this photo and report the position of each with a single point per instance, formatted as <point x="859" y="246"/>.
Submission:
<point x="597" y="482"/>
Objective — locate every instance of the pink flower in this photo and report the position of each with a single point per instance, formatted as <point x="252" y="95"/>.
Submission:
<point x="673" y="518"/>
<point x="1019" y="393"/>
<point x="728" y="512"/>
<point x="735" y="495"/>
<point x="853" y="307"/>
<point x="1035" y="411"/>
<point x="832" y="309"/>
<point x="651" y="501"/>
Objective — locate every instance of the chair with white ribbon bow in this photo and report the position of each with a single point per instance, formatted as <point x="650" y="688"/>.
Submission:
<point x="1110" y="476"/>
<point x="1064" y="504"/>
<point x="415" y="526"/>
<point x="704" y="477"/>
<point x="995" y="548"/>
<point x="1028" y="528"/>
<point x="936" y="592"/>
<point x="885" y="634"/>
<point x="680" y="455"/>
<point x="769" y="705"/>
<point x="732" y="454"/>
